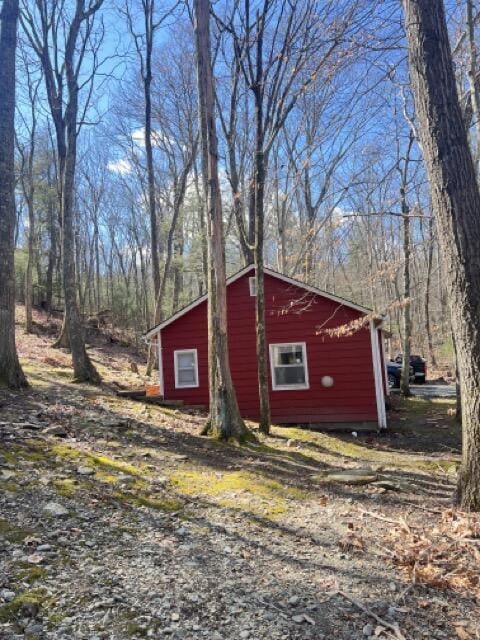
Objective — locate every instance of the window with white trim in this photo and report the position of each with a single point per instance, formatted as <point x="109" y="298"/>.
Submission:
<point x="186" y="368"/>
<point x="252" y="284"/>
<point x="288" y="364"/>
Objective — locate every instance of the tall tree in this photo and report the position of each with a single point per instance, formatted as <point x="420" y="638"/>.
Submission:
<point x="225" y="421"/>
<point x="281" y="48"/>
<point x="407" y="250"/>
<point x="144" y="43"/>
<point x="27" y="179"/>
<point x="62" y="68"/>
<point x="456" y="204"/>
<point x="10" y="370"/>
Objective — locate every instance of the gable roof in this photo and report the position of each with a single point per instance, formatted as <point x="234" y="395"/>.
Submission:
<point x="270" y="272"/>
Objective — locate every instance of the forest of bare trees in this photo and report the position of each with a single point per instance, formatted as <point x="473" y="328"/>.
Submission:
<point x="318" y="159"/>
<point x="304" y="153"/>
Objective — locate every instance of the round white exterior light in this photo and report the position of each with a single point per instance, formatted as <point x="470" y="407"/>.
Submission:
<point x="327" y="381"/>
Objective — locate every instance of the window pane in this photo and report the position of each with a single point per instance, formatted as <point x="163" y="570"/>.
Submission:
<point x="289" y="375"/>
<point x="186" y="376"/>
<point x="186" y="360"/>
<point x="292" y="354"/>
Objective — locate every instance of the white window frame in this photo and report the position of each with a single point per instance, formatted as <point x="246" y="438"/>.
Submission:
<point x="252" y="285"/>
<point x="183" y="385"/>
<point x="289" y="387"/>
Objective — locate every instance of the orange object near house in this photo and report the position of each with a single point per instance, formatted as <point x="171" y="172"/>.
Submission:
<point x="152" y="389"/>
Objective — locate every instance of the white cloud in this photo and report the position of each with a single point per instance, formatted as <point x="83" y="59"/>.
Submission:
<point x="120" y="166"/>
<point x="138" y="137"/>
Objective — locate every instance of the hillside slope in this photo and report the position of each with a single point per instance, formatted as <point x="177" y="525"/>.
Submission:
<point x="119" y="521"/>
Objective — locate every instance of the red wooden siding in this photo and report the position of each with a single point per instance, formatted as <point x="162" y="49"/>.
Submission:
<point x="292" y="315"/>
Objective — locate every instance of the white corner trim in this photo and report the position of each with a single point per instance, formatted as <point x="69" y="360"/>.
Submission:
<point x="290" y="387"/>
<point x="377" y="374"/>
<point x="160" y="363"/>
<point x="386" y="387"/>
<point x="179" y="385"/>
<point x="269" y="272"/>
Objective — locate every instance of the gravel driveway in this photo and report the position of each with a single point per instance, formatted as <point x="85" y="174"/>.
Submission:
<point x="433" y="390"/>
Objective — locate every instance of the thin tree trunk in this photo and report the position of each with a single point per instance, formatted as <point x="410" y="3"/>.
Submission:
<point x="52" y="250"/>
<point x="11" y="372"/>
<point x="225" y="421"/>
<point x="472" y="78"/>
<point x="179" y="188"/>
<point x="258" y="211"/>
<point x="83" y="369"/>
<point x="151" y="179"/>
<point x="428" y="278"/>
<point x="456" y="204"/>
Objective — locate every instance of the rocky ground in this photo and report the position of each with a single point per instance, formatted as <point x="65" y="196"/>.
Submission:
<point x="117" y="520"/>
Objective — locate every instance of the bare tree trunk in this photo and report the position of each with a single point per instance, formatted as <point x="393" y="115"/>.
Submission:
<point x="407" y="251"/>
<point x="83" y="369"/>
<point x="456" y="204"/>
<point x="472" y="78"/>
<point x="203" y="230"/>
<point x="428" y="278"/>
<point x="11" y="372"/>
<point x="407" y="320"/>
<point x="147" y="81"/>
<point x="260" y="163"/>
<point x="177" y="270"/>
<point x="179" y="195"/>
<point x="52" y="248"/>
<point x="260" y="282"/>
<point x="30" y="256"/>
<point x="225" y="421"/>
<point x="28" y="187"/>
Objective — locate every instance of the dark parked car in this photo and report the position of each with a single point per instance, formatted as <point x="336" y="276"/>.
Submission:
<point x="394" y="374"/>
<point x="419" y="367"/>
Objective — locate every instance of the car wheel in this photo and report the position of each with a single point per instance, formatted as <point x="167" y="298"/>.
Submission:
<point x="392" y="381"/>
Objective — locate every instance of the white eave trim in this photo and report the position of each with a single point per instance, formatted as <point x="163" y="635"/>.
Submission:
<point x="269" y="272"/>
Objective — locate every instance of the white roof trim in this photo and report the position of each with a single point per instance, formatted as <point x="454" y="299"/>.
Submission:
<point x="274" y="274"/>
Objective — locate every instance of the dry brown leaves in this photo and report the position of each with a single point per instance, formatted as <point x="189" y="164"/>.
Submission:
<point x="351" y="540"/>
<point x="446" y="555"/>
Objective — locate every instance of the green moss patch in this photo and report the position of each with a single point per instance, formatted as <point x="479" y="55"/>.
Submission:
<point x="326" y="448"/>
<point x="152" y="501"/>
<point x="98" y="460"/>
<point x="34" y="598"/>
<point x="238" y="490"/>
<point x="31" y="574"/>
<point x="66" y="487"/>
<point x="13" y="533"/>
<point x="9" y="486"/>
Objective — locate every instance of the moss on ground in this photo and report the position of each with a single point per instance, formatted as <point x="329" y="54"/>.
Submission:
<point x="31" y="574"/>
<point x="325" y="447"/>
<point x="107" y="478"/>
<point x="153" y="501"/>
<point x="12" y="533"/>
<point x="238" y="490"/>
<point x="33" y="598"/>
<point x="67" y="487"/>
<point x="13" y="487"/>
<point x="99" y="460"/>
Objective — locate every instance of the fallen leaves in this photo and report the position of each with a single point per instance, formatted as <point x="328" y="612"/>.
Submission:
<point x="462" y="633"/>
<point x="445" y="555"/>
<point x="351" y="542"/>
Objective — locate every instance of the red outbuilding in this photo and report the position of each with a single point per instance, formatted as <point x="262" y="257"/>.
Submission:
<point x="315" y="375"/>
